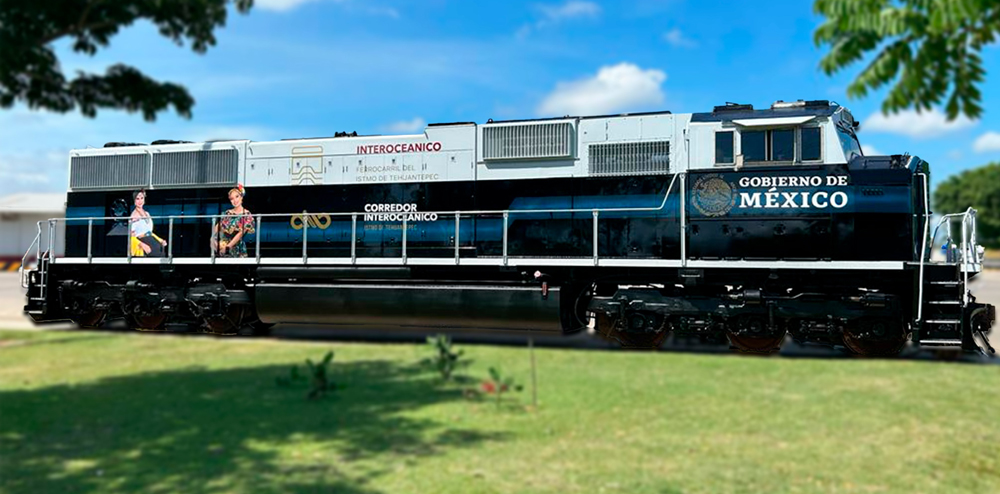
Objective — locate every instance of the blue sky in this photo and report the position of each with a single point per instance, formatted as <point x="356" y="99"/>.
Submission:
<point x="302" y="68"/>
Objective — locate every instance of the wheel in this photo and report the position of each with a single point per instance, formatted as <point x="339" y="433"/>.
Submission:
<point x="227" y="324"/>
<point x="92" y="319"/>
<point x="152" y="321"/>
<point x="639" y="330"/>
<point x="874" y="337"/>
<point x="751" y="334"/>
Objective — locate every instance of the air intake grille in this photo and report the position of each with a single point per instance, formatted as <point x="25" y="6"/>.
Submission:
<point x="191" y="168"/>
<point x="119" y="171"/>
<point x="630" y="158"/>
<point x="528" y="141"/>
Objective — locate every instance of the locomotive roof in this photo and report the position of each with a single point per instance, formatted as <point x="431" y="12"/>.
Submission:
<point x="720" y="114"/>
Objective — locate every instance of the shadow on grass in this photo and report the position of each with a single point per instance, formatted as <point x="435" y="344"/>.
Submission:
<point x="195" y="430"/>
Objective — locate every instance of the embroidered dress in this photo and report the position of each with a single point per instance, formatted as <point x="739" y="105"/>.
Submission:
<point x="230" y="225"/>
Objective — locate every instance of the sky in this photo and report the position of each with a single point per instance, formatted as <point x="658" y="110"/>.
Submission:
<point x="309" y="68"/>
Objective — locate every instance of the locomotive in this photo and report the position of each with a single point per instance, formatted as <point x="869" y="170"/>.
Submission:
<point x="739" y="224"/>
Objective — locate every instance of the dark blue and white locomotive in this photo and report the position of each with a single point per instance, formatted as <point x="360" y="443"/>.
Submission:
<point x="742" y="224"/>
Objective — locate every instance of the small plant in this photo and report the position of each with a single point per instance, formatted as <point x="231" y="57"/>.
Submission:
<point x="498" y="385"/>
<point x="319" y="380"/>
<point x="318" y="373"/>
<point x="293" y="376"/>
<point x="444" y="358"/>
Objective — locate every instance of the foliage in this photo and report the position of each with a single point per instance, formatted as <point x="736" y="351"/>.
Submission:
<point x="978" y="188"/>
<point x="144" y="414"/>
<point x="444" y="359"/>
<point x="925" y="48"/>
<point x="498" y="385"/>
<point x="30" y="71"/>
<point x="319" y="381"/>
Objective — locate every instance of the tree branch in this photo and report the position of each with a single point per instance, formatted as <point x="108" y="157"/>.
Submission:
<point x="80" y="26"/>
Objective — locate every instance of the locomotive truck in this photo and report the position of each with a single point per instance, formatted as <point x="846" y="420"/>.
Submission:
<point x="739" y="224"/>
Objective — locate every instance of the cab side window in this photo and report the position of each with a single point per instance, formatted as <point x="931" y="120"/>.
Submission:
<point x="724" y="147"/>
<point x="783" y="145"/>
<point x="754" y="145"/>
<point x="811" y="147"/>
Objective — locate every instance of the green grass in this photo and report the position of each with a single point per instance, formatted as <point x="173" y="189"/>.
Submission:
<point x="102" y="412"/>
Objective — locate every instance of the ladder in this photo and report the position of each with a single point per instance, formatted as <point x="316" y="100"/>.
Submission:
<point x="37" y="298"/>
<point x="944" y="297"/>
<point x="943" y="310"/>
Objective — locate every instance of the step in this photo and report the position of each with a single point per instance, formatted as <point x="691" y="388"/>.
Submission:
<point x="957" y="343"/>
<point x="944" y="302"/>
<point x="943" y="321"/>
<point x="946" y="283"/>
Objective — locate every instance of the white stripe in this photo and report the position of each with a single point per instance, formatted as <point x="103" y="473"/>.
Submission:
<point x="498" y="261"/>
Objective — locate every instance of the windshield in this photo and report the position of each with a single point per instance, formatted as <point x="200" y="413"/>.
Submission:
<point x="849" y="142"/>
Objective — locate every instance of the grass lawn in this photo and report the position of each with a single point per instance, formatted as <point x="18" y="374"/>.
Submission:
<point x="103" y="412"/>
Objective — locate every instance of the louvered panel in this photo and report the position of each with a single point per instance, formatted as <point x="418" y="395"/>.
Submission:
<point x="118" y="171"/>
<point x="528" y="141"/>
<point x="217" y="167"/>
<point x="629" y="158"/>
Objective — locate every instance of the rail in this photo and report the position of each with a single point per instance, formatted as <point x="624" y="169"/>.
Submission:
<point x="967" y="255"/>
<point x="309" y="220"/>
<point x="35" y="244"/>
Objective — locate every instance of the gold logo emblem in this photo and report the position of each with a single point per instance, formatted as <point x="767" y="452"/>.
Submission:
<point x="321" y="221"/>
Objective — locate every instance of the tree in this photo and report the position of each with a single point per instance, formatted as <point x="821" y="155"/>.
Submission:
<point x="979" y="188"/>
<point x="30" y="71"/>
<point x="927" y="49"/>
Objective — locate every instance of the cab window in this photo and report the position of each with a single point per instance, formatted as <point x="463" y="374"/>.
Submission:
<point x="811" y="147"/>
<point x="724" y="147"/>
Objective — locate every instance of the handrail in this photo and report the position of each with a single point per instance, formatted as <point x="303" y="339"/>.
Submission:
<point x="968" y="246"/>
<point x="923" y="249"/>
<point x="24" y="258"/>
<point x="306" y="216"/>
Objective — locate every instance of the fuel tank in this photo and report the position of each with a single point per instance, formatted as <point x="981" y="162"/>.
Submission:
<point x="458" y="305"/>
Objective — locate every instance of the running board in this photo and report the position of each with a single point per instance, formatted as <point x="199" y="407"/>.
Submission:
<point x="941" y="343"/>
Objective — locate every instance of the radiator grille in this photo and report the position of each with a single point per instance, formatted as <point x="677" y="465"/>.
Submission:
<point x="191" y="168"/>
<point x="119" y="171"/>
<point x="630" y="158"/>
<point x="528" y="141"/>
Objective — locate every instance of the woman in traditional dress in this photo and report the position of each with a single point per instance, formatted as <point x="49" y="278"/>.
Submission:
<point x="143" y="243"/>
<point x="232" y="229"/>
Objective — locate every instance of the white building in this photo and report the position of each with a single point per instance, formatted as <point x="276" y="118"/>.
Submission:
<point x="19" y="214"/>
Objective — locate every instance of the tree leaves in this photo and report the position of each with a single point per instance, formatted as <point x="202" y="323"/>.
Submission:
<point x="980" y="189"/>
<point x="29" y="68"/>
<point x="928" y="50"/>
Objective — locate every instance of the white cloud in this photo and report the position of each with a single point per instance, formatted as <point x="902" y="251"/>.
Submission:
<point x="916" y="124"/>
<point x="552" y="14"/>
<point x="869" y="150"/>
<point x="572" y="9"/>
<point x="614" y="88"/>
<point x="988" y="142"/>
<point x="279" y="5"/>
<point x="287" y="5"/>
<point x="383" y="11"/>
<point x="33" y="172"/>
<point x="676" y="38"/>
<point x="956" y="154"/>
<point x="406" y="126"/>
